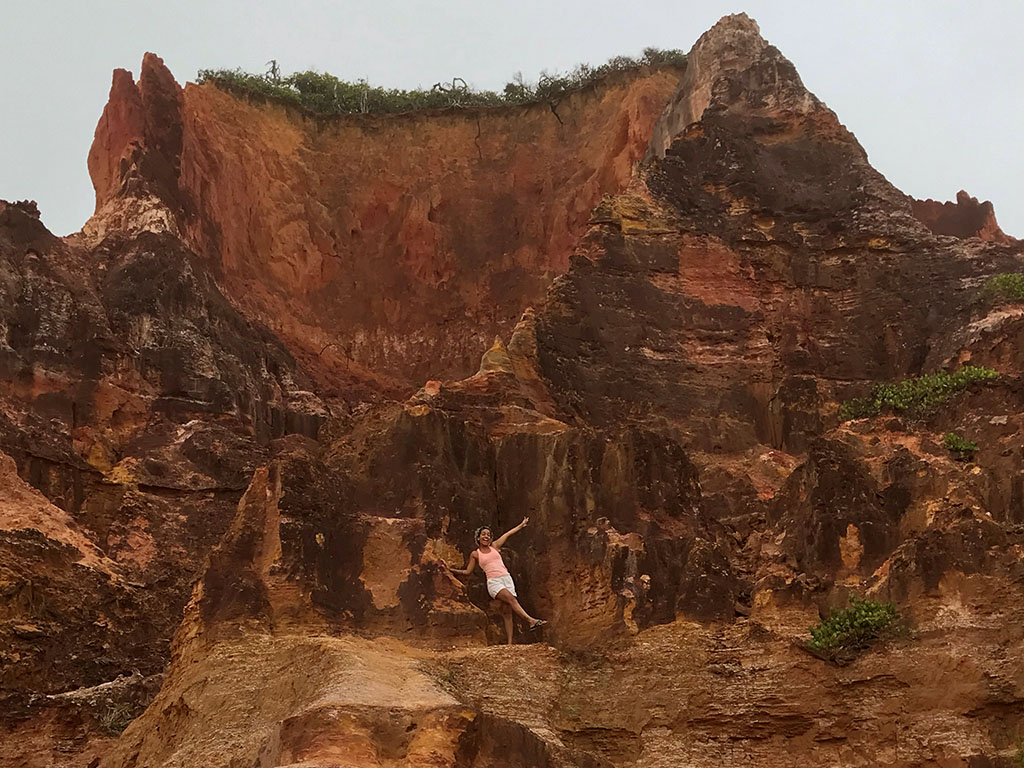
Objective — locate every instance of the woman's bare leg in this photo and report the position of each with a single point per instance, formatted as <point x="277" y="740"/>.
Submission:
<point x="506" y="614"/>
<point x="506" y="596"/>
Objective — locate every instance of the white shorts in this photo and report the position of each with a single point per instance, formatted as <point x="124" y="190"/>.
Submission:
<point x="498" y="583"/>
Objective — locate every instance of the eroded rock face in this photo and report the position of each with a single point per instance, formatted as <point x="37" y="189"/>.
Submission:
<point x="666" y="417"/>
<point x="135" y="158"/>
<point x="417" y="257"/>
<point x="138" y="403"/>
<point x="617" y="540"/>
<point x="964" y="218"/>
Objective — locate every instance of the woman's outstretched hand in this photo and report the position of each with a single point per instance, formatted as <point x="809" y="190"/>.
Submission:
<point x="499" y="542"/>
<point x="447" y="571"/>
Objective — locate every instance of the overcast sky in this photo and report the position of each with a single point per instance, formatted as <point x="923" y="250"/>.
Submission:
<point x="934" y="90"/>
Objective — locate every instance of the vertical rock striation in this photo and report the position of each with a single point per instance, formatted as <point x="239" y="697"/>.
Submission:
<point x="308" y="218"/>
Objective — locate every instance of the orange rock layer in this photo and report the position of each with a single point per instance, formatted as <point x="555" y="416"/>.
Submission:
<point x="388" y="247"/>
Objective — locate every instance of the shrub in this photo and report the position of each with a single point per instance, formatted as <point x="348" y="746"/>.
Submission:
<point x="915" y="396"/>
<point x="115" y="717"/>
<point x="858" y="408"/>
<point x="853" y="629"/>
<point x="325" y="94"/>
<point x="959" y="447"/>
<point x="1006" y="287"/>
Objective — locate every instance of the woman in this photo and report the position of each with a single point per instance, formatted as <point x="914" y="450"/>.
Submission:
<point x="500" y="586"/>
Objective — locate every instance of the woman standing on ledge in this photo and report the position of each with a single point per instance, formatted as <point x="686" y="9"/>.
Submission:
<point x="500" y="586"/>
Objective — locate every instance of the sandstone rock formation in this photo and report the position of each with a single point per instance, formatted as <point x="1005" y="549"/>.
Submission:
<point x="138" y="401"/>
<point x="712" y="271"/>
<point x="964" y="218"/>
<point x="388" y="248"/>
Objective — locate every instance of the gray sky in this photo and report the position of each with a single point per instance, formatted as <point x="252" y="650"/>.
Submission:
<point x="933" y="89"/>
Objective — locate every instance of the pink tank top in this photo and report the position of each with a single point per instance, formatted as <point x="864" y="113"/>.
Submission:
<point x="492" y="563"/>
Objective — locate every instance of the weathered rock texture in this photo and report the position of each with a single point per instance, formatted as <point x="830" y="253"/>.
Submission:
<point x="964" y="218"/>
<point x="139" y="403"/>
<point x="391" y="248"/>
<point x="666" y="416"/>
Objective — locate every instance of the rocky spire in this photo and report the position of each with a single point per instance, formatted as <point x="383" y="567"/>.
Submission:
<point x="730" y="66"/>
<point x="135" y="158"/>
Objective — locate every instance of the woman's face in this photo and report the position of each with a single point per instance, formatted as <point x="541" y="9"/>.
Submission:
<point x="484" y="539"/>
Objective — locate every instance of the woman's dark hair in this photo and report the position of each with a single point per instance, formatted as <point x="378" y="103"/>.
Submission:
<point x="476" y="534"/>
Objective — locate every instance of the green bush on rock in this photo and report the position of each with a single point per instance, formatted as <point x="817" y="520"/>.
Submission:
<point x="915" y="396"/>
<point x="959" y="447"/>
<point x="1006" y="287"/>
<point x="853" y="629"/>
<point x="325" y="94"/>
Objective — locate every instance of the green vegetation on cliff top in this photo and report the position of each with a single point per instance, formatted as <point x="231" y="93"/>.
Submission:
<point x="324" y="94"/>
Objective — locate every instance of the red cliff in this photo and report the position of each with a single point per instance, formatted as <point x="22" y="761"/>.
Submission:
<point x="964" y="218"/>
<point x="219" y="517"/>
<point x="317" y="225"/>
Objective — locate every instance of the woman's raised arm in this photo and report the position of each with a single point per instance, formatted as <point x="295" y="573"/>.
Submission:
<point x="500" y="541"/>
